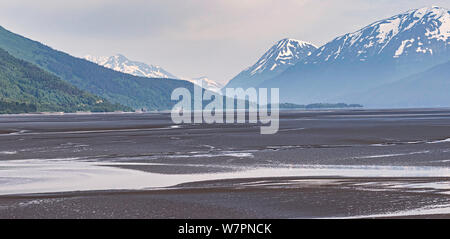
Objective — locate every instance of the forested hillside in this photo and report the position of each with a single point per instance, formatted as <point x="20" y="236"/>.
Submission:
<point x="25" y="87"/>
<point x="133" y="91"/>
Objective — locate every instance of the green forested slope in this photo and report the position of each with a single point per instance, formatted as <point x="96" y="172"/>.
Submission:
<point x="133" y="91"/>
<point x="25" y="87"/>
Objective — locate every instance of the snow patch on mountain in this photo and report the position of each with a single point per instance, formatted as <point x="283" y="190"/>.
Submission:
<point x="206" y="83"/>
<point x="120" y="63"/>
<point x="420" y="31"/>
<point x="283" y="54"/>
<point x="405" y="43"/>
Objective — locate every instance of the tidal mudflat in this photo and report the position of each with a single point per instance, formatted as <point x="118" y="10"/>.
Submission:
<point x="321" y="164"/>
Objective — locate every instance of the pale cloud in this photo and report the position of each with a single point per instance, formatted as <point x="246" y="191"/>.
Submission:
<point x="190" y="38"/>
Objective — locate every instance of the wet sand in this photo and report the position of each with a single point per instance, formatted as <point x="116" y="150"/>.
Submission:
<point x="409" y="148"/>
<point x="301" y="198"/>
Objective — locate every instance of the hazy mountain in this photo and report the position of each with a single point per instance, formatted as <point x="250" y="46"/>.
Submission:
<point x="126" y="89"/>
<point x="430" y="88"/>
<point x="206" y="83"/>
<point x="120" y="63"/>
<point x="27" y="88"/>
<point x="278" y="58"/>
<point x="380" y="53"/>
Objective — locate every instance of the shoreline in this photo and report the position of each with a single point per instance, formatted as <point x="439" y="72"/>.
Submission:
<point x="317" y="110"/>
<point x="63" y="113"/>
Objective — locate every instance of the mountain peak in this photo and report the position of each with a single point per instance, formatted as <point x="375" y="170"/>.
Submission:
<point x="429" y="9"/>
<point x="206" y="83"/>
<point x="415" y="32"/>
<point x="119" y="62"/>
<point x="120" y="57"/>
<point x="286" y="41"/>
<point x="283" y="54"/>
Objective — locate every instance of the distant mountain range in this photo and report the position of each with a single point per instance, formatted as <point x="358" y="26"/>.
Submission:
<point x="206" y="83"/>
<point x="121" y="63"/>
<point x="401" y="61"/>
<point x="26" y="88"/>
<point x="377" y="55"/>
<point x="277" y="59"/>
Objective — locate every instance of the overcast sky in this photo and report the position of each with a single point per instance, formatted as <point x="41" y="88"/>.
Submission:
<point x="192" y="38"/>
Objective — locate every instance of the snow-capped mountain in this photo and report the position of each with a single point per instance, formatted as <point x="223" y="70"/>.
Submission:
<point x="378" y="54"/>
<point x="279" y="57"/>
<point x="415" y="33"/>
<point x="206" y="83"/>
<point x="120" y="63"/>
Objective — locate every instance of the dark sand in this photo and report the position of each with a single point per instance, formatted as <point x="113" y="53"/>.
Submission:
<point x="229" y="199"/>
<point x="385" y="138"/>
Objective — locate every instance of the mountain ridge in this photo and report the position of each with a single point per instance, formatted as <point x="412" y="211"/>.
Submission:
<point x="280" y="56"/>
<point x="368" y="58"/>
<point x="207" y="83"/>
<point x="120" y="63"/>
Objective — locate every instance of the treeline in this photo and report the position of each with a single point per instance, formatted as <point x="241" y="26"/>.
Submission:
<point x="319" y="106"/>
<point x="16" y="107"/>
